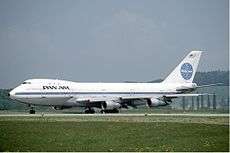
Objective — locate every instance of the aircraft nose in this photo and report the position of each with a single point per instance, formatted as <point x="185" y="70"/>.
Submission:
<point x="11" y="94"/>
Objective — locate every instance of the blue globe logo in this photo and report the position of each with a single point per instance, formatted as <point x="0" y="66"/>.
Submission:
<point x="186" y="71"/>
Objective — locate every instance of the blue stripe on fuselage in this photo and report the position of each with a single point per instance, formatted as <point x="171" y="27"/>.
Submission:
<point x="88" y="93"/>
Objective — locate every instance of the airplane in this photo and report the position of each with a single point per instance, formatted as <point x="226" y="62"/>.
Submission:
<point x="110" y="97"/>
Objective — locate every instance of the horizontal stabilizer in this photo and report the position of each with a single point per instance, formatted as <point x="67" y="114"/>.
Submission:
<point x="184" y="95"/>
<point x="209" y="85"/>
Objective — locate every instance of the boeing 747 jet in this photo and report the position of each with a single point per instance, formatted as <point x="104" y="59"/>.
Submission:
<point x="109" y="97"/>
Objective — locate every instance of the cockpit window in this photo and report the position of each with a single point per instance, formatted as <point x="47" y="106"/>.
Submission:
<point x="26" y="82"/>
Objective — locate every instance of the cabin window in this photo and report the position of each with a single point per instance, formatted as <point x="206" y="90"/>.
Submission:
<point x="26" y="82"/>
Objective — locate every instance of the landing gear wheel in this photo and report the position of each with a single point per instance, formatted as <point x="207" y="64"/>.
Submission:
<point x="115" y="110"/>
<point x="89" y="111"/>
<point x="32" y="111"/>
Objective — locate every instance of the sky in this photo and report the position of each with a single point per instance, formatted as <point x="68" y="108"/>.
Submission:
<point x="109" y="40"/>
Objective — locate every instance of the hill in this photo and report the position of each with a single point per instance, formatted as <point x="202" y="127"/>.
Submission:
<point x="212" y="77"/>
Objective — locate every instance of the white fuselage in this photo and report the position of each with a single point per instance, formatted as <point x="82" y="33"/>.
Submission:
<point x="50" y="92"/>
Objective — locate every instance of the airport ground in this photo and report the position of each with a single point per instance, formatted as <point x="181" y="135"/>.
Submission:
<point x="121" y="132"/>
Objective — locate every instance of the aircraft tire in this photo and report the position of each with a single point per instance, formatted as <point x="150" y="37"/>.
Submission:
<point x="32" y="111"/>
<point x="115" y="110"/>
<point x="110" y="111"/>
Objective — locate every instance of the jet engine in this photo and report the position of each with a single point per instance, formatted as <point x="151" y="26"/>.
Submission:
<point x="154" y="102"/>
<point x="110" y="105"/>
<point x="61" y="107"/>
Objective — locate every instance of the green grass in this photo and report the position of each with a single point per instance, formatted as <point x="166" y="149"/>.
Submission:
<point x="51" y="135"/>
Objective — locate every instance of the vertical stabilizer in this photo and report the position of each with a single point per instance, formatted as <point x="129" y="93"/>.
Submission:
<point x="185" y="71"/>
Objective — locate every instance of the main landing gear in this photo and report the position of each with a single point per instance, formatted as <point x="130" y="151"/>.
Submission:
<point x="103" y="111"/>
<point x="89" y="111"/>
<point x="115" y="110"/>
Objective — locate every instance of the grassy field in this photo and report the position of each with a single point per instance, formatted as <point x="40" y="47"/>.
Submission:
<point x="114" y="134"/>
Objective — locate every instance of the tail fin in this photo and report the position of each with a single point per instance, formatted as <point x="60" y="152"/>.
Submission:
<point x="185" y="71"/>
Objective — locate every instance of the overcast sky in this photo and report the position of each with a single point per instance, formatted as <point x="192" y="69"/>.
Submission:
<point x="108" y="40"/>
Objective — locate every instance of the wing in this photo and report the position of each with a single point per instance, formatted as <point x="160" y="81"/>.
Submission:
<point x="162" y="96"/>
<point x="124" y="102"/>
<point x="87" y="101"/>
<point x="106" y="102"/>
<point x="159" y="100"/>
<point x="98" y="102"/>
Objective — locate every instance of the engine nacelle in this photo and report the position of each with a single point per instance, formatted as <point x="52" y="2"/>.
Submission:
<point x="110" y="105"/>
<point x="61" y="107"/>
<point x="153" y="102"/>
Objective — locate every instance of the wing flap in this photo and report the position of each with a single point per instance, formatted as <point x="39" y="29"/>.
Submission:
<point x="86" y="102"/>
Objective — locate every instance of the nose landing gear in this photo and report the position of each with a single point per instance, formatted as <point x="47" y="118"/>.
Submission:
<point x="32" y="110"/>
